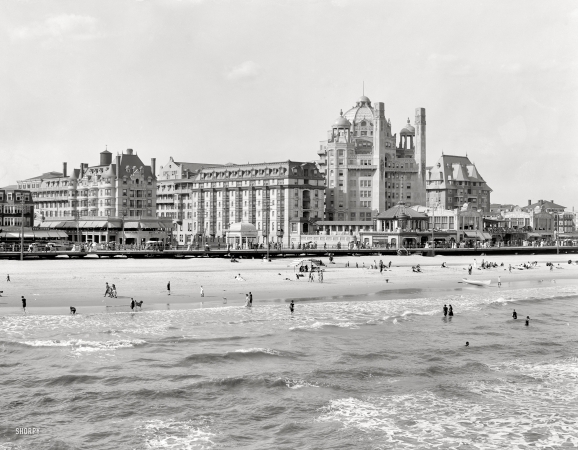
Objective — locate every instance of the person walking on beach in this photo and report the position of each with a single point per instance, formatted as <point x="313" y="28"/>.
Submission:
<point x="514" y="315"/>
<point x="247" y="304"/>
<point x="527" y="321"/>
<point x="250" y="299"/>
<point x="292" y="306"/>
<point x="169" y="287"/>
<point x="202" y="292"/>
<point x="499" y="281"/>
<point x="132" y="304"/>
<point x="470" y="270"/>
<point x="24" y="304"/>
<point x="8" y="277"/>
<point x="510" y="268"/>
<point x="107" y="290"/>
<point x="451" y="311"/>
<point x="445" y="310"/>
<point x="113" y="291"/>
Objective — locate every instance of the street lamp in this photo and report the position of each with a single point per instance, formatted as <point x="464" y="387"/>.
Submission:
<point x="22" y="230"/>
<point x="433" y="242"/>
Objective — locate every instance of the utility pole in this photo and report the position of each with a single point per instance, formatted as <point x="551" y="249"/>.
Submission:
<point x="22" y="231"/>
<point x="267" y="221"/>
<point x="433" y="222"/>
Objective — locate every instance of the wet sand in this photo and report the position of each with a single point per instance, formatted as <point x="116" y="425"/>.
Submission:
<point x="51" y="287"/>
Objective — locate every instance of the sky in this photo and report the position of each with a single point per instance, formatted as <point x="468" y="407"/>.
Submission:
<point x="254" y="81"/>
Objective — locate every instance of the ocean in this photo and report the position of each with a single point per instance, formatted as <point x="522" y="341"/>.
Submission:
<point x="385" y="371"/>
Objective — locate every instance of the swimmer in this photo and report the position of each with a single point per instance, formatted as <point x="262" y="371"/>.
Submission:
<point x="467" y="344"/>
<point x="445" y="310"/>
<point x="514" y="315"/>
<point x="527" y="321"/>
<point x="292" y="306"/>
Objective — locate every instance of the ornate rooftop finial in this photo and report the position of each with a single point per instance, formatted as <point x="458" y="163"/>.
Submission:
<point x="341" y="112"/>
<point x="408" y="122"/>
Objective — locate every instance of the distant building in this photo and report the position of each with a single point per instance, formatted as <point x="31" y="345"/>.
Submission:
<point x="454" y="181"/>
<point x="368" y="168"/>
<point x="16" y="207"/>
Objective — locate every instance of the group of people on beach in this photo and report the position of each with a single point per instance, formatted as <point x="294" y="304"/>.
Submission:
<point x="110" y="291"/>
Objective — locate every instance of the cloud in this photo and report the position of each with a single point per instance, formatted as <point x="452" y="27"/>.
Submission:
<point x="244" y="71"/>
<point x="451" y="64"/>
<point x="64" y="26"/>
<point x="514" y="131"/>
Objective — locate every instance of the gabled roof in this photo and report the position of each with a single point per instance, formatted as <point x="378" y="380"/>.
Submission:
<point x="398" y="210"/>
<point x="46" y="175"/>
<point x="545" y="204"/>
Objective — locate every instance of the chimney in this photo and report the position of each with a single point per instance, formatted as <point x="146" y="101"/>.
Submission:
<point x="529" y="202"/>
<point x="154" y="167"/>
<point x="129" y="151"/>
<point x="541" y="202"/>
<point x="64" y="170"/>
<point x="118" y="166"/>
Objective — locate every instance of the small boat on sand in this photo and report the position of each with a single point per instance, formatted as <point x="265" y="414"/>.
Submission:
<point x="477" y="282"/>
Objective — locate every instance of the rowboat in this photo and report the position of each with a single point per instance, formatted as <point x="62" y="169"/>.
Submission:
<point x="477" y="282"/>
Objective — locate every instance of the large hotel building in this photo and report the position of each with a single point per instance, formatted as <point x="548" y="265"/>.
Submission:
<point x="281" y="200"/>
<point x="368" y="167"/>
<point x="113" y="201"/>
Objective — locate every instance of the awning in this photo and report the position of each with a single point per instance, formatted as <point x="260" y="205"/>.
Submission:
<point x="150" y="224"/>
<point x="476" y="234"/>
<point x="131" y="225"/>
<point x="487" y="236"/>
<point x="536" y="235"/>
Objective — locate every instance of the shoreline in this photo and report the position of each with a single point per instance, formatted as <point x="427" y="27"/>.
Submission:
<point x="47" y="286"/>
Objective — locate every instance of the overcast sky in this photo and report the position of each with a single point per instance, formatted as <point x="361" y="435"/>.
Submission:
<point x="252" y="81"/>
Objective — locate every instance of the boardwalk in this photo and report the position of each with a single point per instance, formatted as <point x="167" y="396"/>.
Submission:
<point x="286" y="253"/>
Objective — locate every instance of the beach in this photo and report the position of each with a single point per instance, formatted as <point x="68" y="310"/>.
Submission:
<point x="81" y="282"/>
<point x="362" y="363"/>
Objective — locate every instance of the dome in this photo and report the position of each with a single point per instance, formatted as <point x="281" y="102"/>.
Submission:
<point x="341" y="122"/>
<point x="408" y="129"/>
<point x="364" y="99"/>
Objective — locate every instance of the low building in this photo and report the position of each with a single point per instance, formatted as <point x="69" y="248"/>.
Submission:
<point x="16" y="207"/>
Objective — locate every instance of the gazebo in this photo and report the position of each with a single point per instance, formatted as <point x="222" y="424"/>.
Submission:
<point x="241" y="235"/>
<point x="398" y="227"/>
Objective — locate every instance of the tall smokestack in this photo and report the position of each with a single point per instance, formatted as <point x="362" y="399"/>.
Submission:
<point x="420" y="154"/>
<point x="154" y="166"/>
<point x="529" y="202"/>
<point x="118" y="166"/>
<point x="64" y="170"/>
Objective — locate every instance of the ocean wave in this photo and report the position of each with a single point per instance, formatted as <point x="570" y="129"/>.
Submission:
<point x="81" y="346"/>
<point x="174" y="434"/>
<point x="234" y="356"/>
<point x="427" y="420"/>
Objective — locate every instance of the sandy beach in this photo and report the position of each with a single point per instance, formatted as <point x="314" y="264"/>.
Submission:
<point x="53" y="285"/>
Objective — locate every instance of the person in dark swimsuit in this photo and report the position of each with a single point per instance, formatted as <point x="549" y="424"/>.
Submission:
<point x="451" y="311"/>
<point x="24" y="304"/>
<point x="292" y="306"/>
<point x="445" y="310"/>
<point x="527" y="321"/>
<point x="132" y="304"/>
<point x="514" y="315"/>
